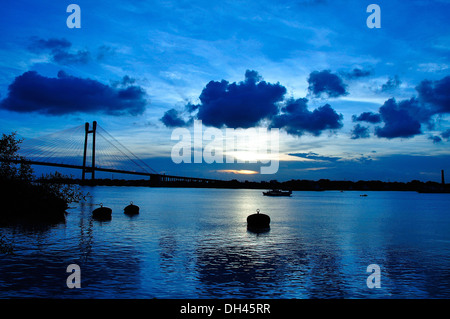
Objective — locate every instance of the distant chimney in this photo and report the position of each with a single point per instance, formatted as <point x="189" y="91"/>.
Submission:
<point x="443" y="180"/>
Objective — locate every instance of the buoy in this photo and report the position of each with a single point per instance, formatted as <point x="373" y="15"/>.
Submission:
<point x="258" y="222"/>
<point x="131" y="209"/>
<point x="102" y="213"/>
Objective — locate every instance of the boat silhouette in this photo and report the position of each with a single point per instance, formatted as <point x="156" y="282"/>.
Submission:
<point x="277" y="192"/>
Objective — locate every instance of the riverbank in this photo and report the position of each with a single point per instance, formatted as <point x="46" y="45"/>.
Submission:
<point x="295" y="185"/>
<point x="23" y="202"/>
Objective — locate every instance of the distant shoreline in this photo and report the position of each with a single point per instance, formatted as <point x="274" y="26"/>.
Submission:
<point x="294" y="185"/>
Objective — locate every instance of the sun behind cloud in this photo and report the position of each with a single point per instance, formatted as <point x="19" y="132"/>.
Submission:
<point x="237" y="171"/>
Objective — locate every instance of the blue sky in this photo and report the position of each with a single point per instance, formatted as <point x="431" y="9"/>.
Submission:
<point x="350" y="102"/>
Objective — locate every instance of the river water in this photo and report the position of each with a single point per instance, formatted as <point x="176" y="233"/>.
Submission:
<point x="194" y="243"/>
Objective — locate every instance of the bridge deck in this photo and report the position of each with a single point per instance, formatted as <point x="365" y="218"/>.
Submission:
<point x="159" y="177"/>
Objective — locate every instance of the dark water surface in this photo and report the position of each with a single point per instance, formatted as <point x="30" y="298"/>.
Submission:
<point x="194" y="243"/>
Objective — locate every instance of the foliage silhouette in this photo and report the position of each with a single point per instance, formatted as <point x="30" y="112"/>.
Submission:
<point x="22" y="197"/>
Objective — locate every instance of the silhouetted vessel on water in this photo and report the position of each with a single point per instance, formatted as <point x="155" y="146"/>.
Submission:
<point x="277" y="192"/>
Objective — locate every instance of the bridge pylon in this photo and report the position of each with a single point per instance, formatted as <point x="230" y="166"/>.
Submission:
<point x="85" y="168"/>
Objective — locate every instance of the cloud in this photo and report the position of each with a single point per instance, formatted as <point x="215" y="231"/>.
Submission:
<point x="316" y="157"/>
<point x="172" y="118"/>
<point x="254" y="102"/>
<point x="125" y="82"/>
<point x="38" y="45"/>
<point x="405" y="118"/>
<point x="325" y="82"/>
<point x="357" y="73"/>
<point x="242" y="104"/>
<point x="298" y="120"/>
<point x="446" y="134"/>
<point x="58" y="48"/>
<point x="237" y="171"/>
<point x="436" y="94"/>
<point x="311" y="2"/>
<point x="191" y="107"/>
<point x="435" y="139"/>
<point x="359" y="131"/>
<point x="64" y="57"/>
<point x="398" y="122"/>
<point x="367" y="117"/>
<point x="391" y="84"/>
<point x="364" y="159"/>
<point x="432" y="67"/>
<point x="309" y="169"/>
<point x="333" y="161"/>
<point x="105" y="51"/>
<point x="65" y="94"/>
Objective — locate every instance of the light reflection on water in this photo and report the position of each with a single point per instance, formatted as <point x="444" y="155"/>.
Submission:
<point x="193" y="243"/>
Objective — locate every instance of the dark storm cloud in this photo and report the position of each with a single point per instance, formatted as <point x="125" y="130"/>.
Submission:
<point x="172" y="118"/>
<point x="246" y="104"/>
<point x="436" y="94"/>
<point x="402" y="119"/>
<point x="418" y="110"/>
<point x="359" y="131"/>
<point x="59" y="51"/>
<point x="405" y="119"/>
<point x="32" y="92"/>
<point x="325" y="82"/>
<point x="239" y="105"/>
<point x="367" y="117"/>
<point x="298" y="120"/>
<point x="398" y="122"/>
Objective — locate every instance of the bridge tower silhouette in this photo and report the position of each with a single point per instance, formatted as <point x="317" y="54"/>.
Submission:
<point x="92" y="168"/>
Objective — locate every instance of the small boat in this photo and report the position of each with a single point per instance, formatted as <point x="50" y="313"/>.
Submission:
<point x="258" y="222"/>
<point x="277" y="192"/>
<point x="131" y="209"/>
<point x="363" y="195"/>
<point x="102" y="213"/>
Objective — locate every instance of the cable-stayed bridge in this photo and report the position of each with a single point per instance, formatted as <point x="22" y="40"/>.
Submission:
<point x="91" y="149"/>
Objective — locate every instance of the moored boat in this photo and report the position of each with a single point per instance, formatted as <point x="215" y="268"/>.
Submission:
<point x="277" y="192"/>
